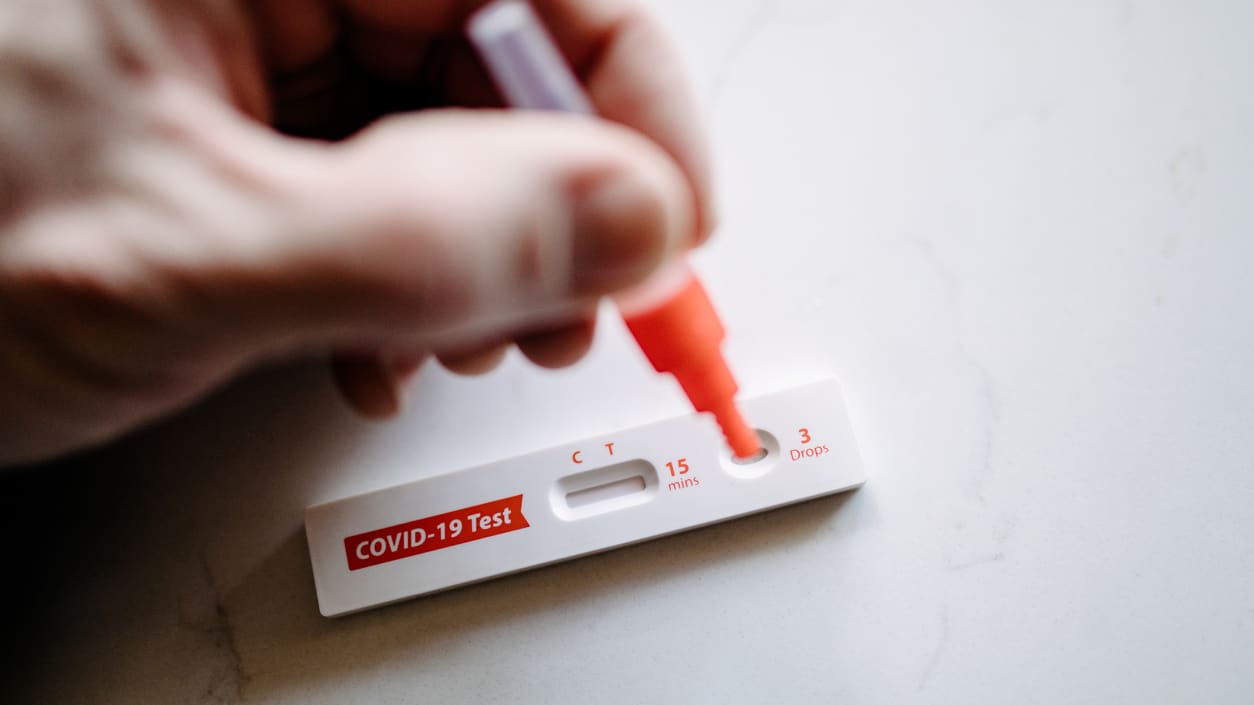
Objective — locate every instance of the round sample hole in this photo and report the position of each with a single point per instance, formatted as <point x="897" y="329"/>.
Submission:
<point x="754" y="465"/>
<point x="751" y="459"/>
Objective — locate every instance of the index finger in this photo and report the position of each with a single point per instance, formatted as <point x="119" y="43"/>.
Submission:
<point x="621" y="53"/>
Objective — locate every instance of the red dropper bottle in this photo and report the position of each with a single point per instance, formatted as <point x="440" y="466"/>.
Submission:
<point x="675" y="324"/>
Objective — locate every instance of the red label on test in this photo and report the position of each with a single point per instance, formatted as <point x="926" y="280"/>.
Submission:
<point x="435" y="532"/>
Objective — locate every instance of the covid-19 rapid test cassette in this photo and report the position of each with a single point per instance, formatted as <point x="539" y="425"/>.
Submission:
<point x="585" y="497"/>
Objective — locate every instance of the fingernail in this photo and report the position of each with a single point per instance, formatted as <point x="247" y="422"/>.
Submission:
<point x="620" y="233"/>
<point x="368" y="386"/>
<point x="404" y="369"/>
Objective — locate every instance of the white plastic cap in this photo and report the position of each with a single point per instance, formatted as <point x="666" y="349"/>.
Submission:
<point x="523" y="60"/>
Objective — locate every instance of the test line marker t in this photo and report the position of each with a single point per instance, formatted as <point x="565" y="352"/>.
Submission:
<point x="670" y="316"/>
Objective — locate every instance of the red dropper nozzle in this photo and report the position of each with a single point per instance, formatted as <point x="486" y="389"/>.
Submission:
<point x="683" y="336"/>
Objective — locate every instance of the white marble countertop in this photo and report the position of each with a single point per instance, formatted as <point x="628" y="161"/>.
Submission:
<point x="1020" y="233"/>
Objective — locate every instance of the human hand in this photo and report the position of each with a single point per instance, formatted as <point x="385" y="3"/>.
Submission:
<point x="159" y="233"/>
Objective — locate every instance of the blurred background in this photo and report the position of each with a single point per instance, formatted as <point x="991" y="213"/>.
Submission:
<point x="1019" y="233"/>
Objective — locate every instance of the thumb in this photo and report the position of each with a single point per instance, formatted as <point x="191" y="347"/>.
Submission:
<point x="456" y="227"/>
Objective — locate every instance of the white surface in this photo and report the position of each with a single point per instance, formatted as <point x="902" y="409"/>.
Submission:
<point x="1020" y="235"/>
<point x="654" y="480"/>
